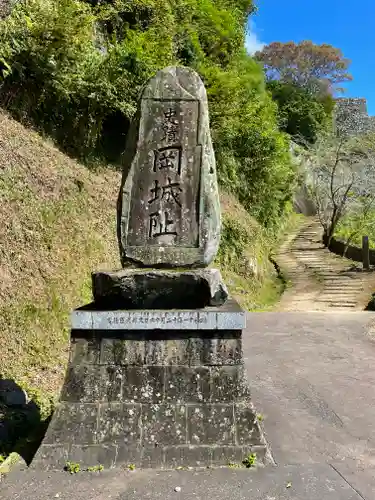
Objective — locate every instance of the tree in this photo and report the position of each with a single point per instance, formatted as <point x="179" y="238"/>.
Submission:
<point x="317" y="68"/>
<point x="301" y="114"/>
<point x="341" y="178"/>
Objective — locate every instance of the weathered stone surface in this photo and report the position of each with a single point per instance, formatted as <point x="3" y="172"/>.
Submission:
<point x="229" y="316"/>
<point x="163" y="424"/>
<point x="89" y="383"/>
<point x="124" y="351"/>
<point x="187" y="384"/>
<point x="211" y="424"/>
<point x="84" y="350"/>
<point x="159" y="289"/>
<point x="143" y="384"/>
<point x="228" y="384"/>
<point x="73" y="423"/>
<point x="94" y="455"/>
<point x="188" y="456"/>
<point x="168" y="206"/>
<point x="247" y="430"/>
<point x="119" y="423"/>
<point x="225" y="348"/>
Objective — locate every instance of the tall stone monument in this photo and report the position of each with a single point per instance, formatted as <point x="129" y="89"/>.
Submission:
<point x="156" y="375"/>
<point x="169" y="212"/>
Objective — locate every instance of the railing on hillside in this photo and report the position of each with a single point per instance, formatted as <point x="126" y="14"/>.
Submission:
<point x="363" y="254"/>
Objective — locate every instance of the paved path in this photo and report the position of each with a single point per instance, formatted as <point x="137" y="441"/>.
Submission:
<point x="320" y="280"/>
<point x="313" y="378"/>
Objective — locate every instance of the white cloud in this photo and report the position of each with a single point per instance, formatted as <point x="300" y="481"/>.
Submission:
<point x="252" y="42"/>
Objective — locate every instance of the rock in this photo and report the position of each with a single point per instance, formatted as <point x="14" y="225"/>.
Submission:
<point x="12" y="394"/>
<point x="159" y="289"/>
<point x="15" y="398"/>
<point x="6" y="7"/>
<point x="168" y="205"/>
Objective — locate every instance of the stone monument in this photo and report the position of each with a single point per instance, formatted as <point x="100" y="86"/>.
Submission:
<point x="156" y="375"/>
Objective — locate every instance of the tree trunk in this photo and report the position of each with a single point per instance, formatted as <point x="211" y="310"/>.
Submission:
<point x="328" y="234"/>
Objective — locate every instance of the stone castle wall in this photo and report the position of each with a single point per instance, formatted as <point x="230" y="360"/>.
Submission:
<point x="6" y="7"/>
<point x="351" y="117"/>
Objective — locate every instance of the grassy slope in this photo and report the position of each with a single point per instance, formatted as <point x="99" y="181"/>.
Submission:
<point x="243" y="258"/>
<point x="57" y="225"/>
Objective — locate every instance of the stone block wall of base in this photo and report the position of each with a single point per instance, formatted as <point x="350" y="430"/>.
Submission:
<point x="152" y="398"/>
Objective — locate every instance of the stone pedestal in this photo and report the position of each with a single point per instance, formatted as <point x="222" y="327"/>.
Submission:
<point x="158" y="289"/>
<point x="154" y="389"/>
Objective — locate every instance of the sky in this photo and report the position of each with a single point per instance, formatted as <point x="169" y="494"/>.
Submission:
<point x="348" y="25"/>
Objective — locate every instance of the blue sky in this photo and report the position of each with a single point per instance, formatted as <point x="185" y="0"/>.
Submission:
<point x="351" y="28"/>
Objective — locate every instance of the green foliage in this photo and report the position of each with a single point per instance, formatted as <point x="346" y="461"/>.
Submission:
<point x="340" y="178"/>
<point x="250" y="461"/>
<point x="252" y="155"/>
<point x="243" y="257"/>
<point x="75" y="70"/>
<point x="95" y="468"/>
<point x="354" y="225"/>
<point x="232" y="244"/>
<point x="72" y="467"/>
<point x="301" y="114"/>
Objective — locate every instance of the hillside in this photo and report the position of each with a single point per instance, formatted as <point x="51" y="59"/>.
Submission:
<point x="58" y="224"/>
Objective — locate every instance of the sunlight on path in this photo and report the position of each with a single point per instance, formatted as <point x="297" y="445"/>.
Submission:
<point x="320" y="280"/>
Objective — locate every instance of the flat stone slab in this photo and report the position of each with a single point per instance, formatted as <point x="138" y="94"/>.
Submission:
<point x="230" y="316"/>
<point x="159" y="289"/>
<point x="272" y="483"/>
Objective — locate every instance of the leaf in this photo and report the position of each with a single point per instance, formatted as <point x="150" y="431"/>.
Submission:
<point x="29" y="22"/>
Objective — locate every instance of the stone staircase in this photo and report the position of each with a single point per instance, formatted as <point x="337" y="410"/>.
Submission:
<point x="318" y="279"/>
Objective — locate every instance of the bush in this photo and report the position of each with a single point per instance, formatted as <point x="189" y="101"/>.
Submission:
<point x="301" y="114"/>
<point x="253" y="157"/>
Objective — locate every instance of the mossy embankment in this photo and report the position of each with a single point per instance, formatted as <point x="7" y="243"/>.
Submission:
<point x="57" y="225"/>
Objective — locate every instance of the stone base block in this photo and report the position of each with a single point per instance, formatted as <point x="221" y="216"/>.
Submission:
<point x="153" y="398"/>
<point x="229" y="316"/>
<point x="159" y="289"/>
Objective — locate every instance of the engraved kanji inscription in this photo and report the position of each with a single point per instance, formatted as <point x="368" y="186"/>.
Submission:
<point x="165" y="193"/>
<point x="161" y="224"/>
<point x="170" y="126"/>
<point x="169" y="192"/>
<point x="168" y="158"/>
